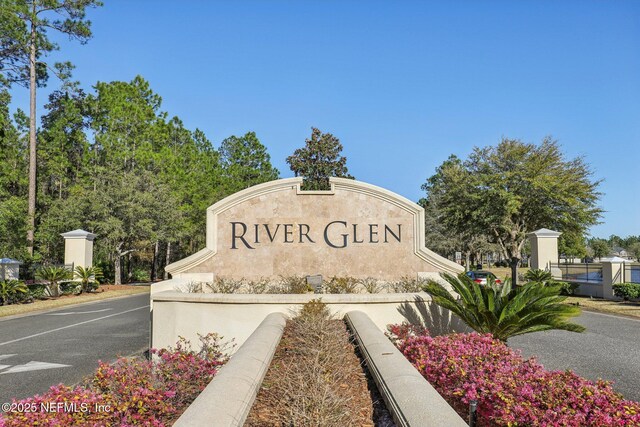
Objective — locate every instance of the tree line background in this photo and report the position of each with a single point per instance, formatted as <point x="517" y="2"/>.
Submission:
<point x="114" y="163"/>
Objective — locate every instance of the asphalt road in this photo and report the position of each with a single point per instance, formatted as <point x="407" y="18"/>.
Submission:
<point x="608" y="349"/>
<point x="63" y="346"/>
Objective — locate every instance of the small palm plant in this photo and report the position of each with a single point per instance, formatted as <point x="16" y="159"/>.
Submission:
<point x="542" y="276"/>
<point x="537" y="275"/>
<point x="11" y="291"/>
<point x="53" y="275"/>
<point x="89" y="277"/>
<point x="502" y="311"/>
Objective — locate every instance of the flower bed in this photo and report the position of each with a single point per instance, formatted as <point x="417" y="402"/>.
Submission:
<point x="510" y="390"/>
<point x="129" y="392"/>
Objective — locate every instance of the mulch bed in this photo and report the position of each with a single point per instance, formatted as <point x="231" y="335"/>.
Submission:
<point x="275" y="402"/>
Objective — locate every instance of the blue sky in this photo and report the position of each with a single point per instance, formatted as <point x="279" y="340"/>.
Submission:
<point x="402" y="84"/>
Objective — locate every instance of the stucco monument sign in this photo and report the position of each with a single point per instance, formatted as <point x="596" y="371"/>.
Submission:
<point x="276" y="229"/>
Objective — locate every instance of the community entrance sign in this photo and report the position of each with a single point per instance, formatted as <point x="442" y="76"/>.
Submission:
<point x="276" y="229"/>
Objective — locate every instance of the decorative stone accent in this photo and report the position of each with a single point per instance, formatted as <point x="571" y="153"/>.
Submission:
<point x="408" y="395"/>
<point x="78" y="248"/>
<point x="9" y="269"/>
<point x="544" y="249"/>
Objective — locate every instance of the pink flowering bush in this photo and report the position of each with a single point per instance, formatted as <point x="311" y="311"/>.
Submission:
<point x="60" y="406"/>
<point x="129" y="392"/>
<point x="510" y="390"/>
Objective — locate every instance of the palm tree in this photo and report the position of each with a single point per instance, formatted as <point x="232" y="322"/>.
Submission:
<point x="87" y="276"/>
<point x="544" y="277"/>
<point x="53" y="275"/>
<point x="537" y="275"/>
<point x="11" y="291"/>
<point x="502" y="311"/>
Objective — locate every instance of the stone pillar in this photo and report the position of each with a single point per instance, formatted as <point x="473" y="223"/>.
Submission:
<point x="78" y="248"/>
<point x="612" y="272"/>
<point x="544" y="249"/>
<point x="9" y="269"/>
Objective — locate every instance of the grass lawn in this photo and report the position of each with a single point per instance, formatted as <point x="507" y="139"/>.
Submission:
<point x="104" y="292"/>
<point x="606" y="306"/>
<point x="587" y="303"/>
<point x="504" y="272"/>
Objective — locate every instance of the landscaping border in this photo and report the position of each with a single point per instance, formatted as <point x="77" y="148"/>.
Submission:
<point x="180" y="314"/>
<point x="409" y="397"/>
<point x="228" y="398"/>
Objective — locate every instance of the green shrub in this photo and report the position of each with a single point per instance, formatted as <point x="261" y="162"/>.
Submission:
<point x="108" y="272"/>
<point x="371" y="285"/>
<point x="341" y="285"/>
<point x="407" y="284"/>
<point x="37" y="290"/>
<point x="223" y="285"/>
<point x="295" y="285"/>
<point x="89" y="277"/>
<point x="53" y="275"/>
<point x="140" y="275"/>
<point x="544" y="277"/>
<point x="627" y="291"/>
<point x="70" y="288"/>
<point x="537" y="275"/>
<point x="502" y="311"/>
<point x="566" y="288"/>
<point x="12" y="291"/>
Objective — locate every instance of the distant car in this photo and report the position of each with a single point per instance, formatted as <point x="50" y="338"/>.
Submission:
<point x="481" y="276"/>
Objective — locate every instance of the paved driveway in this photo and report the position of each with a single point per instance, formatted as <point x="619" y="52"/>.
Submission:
<point x="63" y="346"/>
<point x="608" y="349"/>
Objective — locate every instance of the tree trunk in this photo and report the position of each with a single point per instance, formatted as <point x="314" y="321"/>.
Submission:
<point x="154" y="264"/>
<point x="118" y="270"/>
<point x="54" y="290"/>
<point x="168" y="260"/>
<point x="129" y="269"/>
<point x="467" y="260"/>
<point x="514" y="271"/>
<point x="31" y="213"/>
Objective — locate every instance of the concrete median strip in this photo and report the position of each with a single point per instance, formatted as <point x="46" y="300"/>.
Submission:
<point x="409" y="397"/>
<point x="228" y="398"/>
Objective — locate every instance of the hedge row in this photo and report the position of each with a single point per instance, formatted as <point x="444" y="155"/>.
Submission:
<point x="510" y="390"/>
<point x="627" y="291"/>
<point x="129" y="392"/>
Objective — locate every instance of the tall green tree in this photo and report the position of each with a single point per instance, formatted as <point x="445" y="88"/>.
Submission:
<point x="127" y="123"/>
<point x="63" y="142"/>
<point x="319" y="160"/>
<point x="245" y="162"/>
<point x="509" y="190"/>
<point x="24" y="42"/>
<point x="13" y="182"/>
<point x="572" y="245"/>
<point x="600" y="247"/>
<point x="126" y="212"/>
<point x="191" y="167"/>
<point x="63" y="158"/>
<point x="634" y="250"/>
